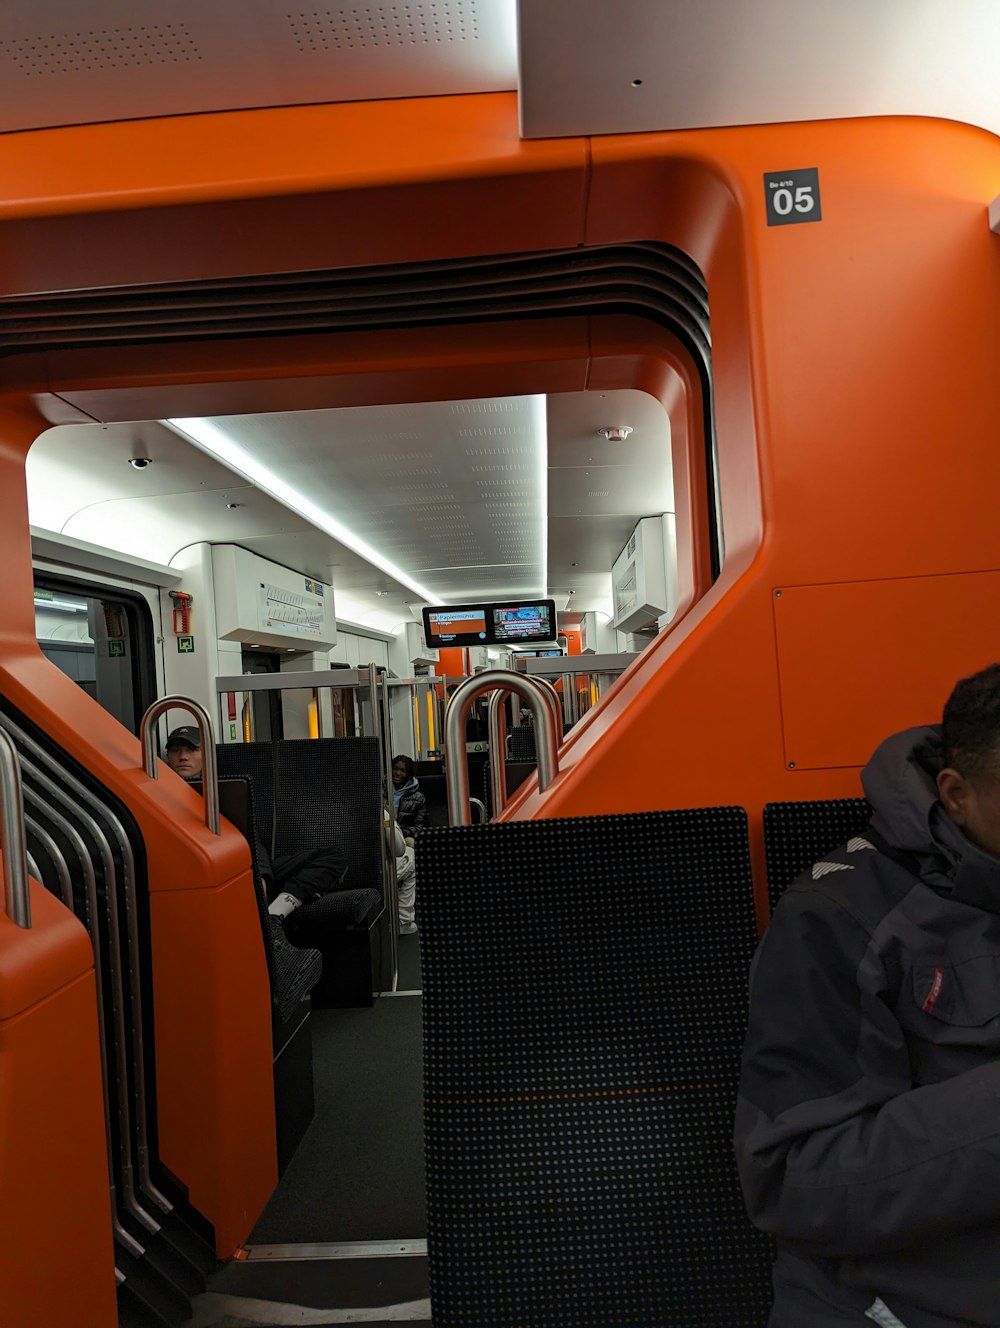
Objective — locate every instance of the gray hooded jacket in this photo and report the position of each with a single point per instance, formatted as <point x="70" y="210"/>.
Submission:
<point x="868" y="1124"/>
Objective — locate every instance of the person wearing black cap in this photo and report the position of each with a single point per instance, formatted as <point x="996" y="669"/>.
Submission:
<point x="183" y="752"/>
<point x="290" y="880"/>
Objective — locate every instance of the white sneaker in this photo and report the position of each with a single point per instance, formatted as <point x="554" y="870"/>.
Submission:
<point x="407" y="928"/>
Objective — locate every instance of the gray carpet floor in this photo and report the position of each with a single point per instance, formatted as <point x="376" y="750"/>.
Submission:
<point x="359" y="1172"/>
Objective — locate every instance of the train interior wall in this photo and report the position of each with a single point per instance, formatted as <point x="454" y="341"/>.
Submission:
<point x="854" y="396"/>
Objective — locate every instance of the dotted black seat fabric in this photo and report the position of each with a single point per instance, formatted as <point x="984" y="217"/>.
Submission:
<point x="329" y="791"/>
<point x="293" y="972"/>
<point x="342" y="908"/>
<point x="253" y="761"/>
<point x="314" y="792"/>
<point x="515" y="772"/>
<point x="296" y="972"/>
<point x="581" y="1063"/>
<point x="797" y="834"/>
<point x="522" y="743"/>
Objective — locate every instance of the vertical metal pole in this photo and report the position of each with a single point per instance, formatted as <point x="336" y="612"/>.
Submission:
<point x="570" y="701"/>
<point x="379" y="695"/>
<point x="497" y="736"/>
<point x="17" y="902"/>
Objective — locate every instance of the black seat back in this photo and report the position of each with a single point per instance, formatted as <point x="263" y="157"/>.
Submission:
<point x="292" y="972"/>
<point x="237" y="806"/>
<point x="253" y="761"/>
<point x="585" y="1003"/>
<point x="331" y="791"/>
<point x="310" y="792"/>
<point x="797" y="834"/>
<point x="521" y="740"/>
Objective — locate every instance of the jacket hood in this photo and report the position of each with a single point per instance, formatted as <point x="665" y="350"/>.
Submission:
<point x="899" y="782"/>
<point x="410" y="786"/>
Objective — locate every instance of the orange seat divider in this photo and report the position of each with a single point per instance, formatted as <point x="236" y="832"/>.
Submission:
<point x="57" y="1264"/>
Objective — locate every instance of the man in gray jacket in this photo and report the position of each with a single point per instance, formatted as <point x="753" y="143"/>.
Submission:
<point x="868" y="1125"/>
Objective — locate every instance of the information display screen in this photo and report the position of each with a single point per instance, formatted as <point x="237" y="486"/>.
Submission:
<point x="514" y="623"/>
<point x="510" y="623"/>
<point x="461" y="625"/>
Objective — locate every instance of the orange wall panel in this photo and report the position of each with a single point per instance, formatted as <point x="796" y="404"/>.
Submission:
<point x="211" y="998"/>
<point x="286" y="189"/>
<point x="57" y="1263"/>
<point x="213" y="1032"/>
<point x="857" y="660"/>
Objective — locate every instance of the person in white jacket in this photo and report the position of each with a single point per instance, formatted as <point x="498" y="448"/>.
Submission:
<point x="406" y="878"/>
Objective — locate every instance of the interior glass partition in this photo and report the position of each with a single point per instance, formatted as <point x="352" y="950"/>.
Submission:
<point x="580" y="680"/>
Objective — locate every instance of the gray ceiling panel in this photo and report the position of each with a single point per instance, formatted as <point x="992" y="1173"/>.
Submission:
<point x="587" y="67"/>
<point x="65" y="62"/>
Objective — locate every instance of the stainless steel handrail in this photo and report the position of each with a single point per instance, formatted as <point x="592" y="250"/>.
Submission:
<point x="209" y="778"/>
<point x="379" y="698"/>
<point x="456" y="770"/>
<point x="496" y="729"/>
<point x="555" y="705"/>
<point x="497" y="734"/>
<point x="104" y="825"/>
<point x="17" y="902"/>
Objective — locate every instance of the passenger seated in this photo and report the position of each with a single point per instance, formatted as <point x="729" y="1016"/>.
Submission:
<point x="406" y="878"/>
<point x="291" y="879"/>
<point x="183" y="752"/>
<point x="409" y="803"/>
<point x="866" y="1131"/>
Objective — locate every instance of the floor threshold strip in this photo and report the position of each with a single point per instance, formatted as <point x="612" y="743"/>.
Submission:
<point x="349" y="1249"/>
<point x="214" y="1311"/>
<point x="401" y="993"/>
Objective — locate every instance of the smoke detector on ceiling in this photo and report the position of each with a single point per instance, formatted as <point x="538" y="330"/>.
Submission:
<point x="617" y="434"/>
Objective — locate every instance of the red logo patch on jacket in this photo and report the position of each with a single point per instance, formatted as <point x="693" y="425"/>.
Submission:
<point x="934" y="992"/>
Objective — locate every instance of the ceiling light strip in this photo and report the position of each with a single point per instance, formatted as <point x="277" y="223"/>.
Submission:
<point x="207" y="436"/>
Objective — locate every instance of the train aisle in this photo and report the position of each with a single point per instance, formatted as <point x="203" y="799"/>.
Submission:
<point x="344" y="1237"/>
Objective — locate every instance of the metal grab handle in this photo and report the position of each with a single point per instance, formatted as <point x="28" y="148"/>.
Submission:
<point x="497" y="735"/>
<point x="15" y="852"/>
<point x="496" y="732"/>
<point x="528" y="689"/>
<point x="209" y="777"/>
<point x="555" y="705"/>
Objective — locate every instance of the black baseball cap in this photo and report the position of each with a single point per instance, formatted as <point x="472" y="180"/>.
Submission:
<point x="188" y="734"/>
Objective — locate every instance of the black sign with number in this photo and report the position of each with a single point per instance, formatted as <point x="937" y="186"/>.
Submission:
<point x="792" y="196"/>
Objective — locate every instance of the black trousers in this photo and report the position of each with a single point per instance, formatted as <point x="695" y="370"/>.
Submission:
<point x="308" y="874"/>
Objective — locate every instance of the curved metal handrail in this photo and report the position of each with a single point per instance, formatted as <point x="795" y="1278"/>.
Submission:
<point x="17" y="901"/>
<point x="496" y="733"/>
<point x="528" y="689"/>
<point x="497" y="736"/>
<point x="209" y="776"/>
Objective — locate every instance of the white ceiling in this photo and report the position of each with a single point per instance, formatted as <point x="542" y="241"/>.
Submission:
<point x="448" y="491"/>
<point x="640" y="65"/>
<point x="579" y="66"/>
<point x="79" y="61"/>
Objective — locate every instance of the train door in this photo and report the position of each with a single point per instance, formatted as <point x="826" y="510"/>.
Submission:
<point x="265" y="719"/>
<point x="103" y="638"/>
